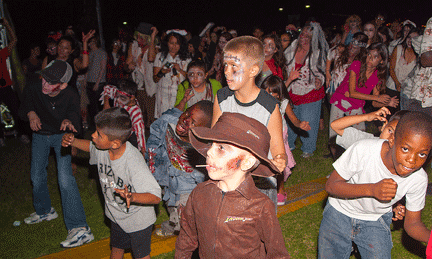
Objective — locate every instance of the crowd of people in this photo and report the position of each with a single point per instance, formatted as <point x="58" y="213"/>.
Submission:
<point x="207" y="124"/>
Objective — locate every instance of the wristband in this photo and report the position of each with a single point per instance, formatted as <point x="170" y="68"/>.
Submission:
<point x="85" y="52"/>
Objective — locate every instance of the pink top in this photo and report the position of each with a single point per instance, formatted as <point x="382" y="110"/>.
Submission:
<point x="354" y="103"/>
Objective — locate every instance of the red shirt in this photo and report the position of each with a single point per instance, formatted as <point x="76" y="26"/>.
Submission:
<point x="312" y="96"/>
<point x="4" y="73"/>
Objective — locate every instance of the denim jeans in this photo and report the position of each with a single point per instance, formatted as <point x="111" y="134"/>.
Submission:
<point x="338" y="231"/>
<point x="310" y="112"/>
<point x="73" y="210"/>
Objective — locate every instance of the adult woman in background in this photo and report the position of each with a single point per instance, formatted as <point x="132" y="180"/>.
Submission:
<point x="217" y="70"/>
<point x="115" y="63"/>
<point x="306" y="61"/>
<point x="352" y="26"/>
<point x="370" y="29"/>
<point x="169" y="70"/>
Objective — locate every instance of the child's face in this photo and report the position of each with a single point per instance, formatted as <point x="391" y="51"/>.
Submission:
<point x="236" y="70"/>
<point x="388" y="130"/>
<point x="123" y="98"/>
<point x="275" y="95"/>
<point x="409" y="152"/>
<point x="192" y="117"/>
<point x="101" y="140"/>
<point x="286" y="40"/>
<point x="269" y="47"/>
<point x="223" y="161"/>
<point x="373" y="59"/>
<point x="196" y="76"/>
<point x="369" y="30"/>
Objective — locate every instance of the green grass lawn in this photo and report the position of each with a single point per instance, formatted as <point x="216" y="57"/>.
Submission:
<point x="300" y="228"/>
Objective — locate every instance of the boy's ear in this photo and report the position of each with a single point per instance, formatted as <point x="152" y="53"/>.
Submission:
<point x="116" y="143"/>
<point x="391" y="140"/>
<point x="248" y="162"/>
<point x="383" y="126"/>
<point x="63" y="86"/>
<point x="254" y="71"/>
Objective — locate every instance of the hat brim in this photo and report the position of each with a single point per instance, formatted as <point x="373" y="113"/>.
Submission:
<point x="47" y="78"/>
<point x="201" y="139"/>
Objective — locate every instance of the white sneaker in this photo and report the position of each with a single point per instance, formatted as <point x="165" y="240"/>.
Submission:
<point x="35" y="218"/>
<point x="78" y="237"/>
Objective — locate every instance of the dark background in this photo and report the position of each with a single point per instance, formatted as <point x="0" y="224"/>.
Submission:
<point x="34" y="19"/>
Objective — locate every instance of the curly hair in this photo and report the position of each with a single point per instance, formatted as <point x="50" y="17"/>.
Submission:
<point x="354" y="17"/>
<point x="183" y="53"/>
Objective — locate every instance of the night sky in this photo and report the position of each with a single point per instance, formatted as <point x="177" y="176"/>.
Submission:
<point x="33" y="19"/>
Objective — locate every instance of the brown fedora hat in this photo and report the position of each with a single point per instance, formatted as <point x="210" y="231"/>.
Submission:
<point x="241" y="131"/>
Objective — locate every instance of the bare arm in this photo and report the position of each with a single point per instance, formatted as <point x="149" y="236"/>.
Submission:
<point x="426" y="59"/>
<point x="328" y="75"/>
<point x="384" y="190"/>
<point x="152" y="49"/>
<point x="70" y="140"/>
<point x="12" y="36"/>
<point x="415" y="227"/>
<point x="44" y="62"/>
<point x="352" y="93"/>
<point x="81" y="64"/>
<point x="216" y="111"/>
<point x="341" y="124"/>
<point x="392" y="71"/>
<point x="277" y="147"/>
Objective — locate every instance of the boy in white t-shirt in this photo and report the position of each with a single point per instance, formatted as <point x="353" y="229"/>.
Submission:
<point x="368" y="179"/>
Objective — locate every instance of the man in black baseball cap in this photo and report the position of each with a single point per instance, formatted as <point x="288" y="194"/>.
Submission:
<point x="52" y="108"/>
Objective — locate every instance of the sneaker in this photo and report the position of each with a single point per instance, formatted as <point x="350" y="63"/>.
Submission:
<point x="78" y="237"/>
<point x="281" y="199"/>
<point x="35" y="218"/>
<point x="306" y="155"/>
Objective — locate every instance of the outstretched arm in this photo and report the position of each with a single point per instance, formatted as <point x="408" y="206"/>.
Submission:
<point x="133" y="197"/>
<point x="70" y="140"/>
<point x="341" y="124"/>
<point x="415" y="227"/>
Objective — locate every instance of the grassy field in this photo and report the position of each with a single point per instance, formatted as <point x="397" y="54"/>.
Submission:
<point x="300" y="228"/>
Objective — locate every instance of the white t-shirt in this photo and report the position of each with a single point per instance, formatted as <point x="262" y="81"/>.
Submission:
<point x="362" y="164"/>
<point x="129" y="170"/>
<point x="351" y="135"/>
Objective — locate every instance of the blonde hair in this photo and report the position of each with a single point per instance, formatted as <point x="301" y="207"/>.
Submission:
<point x="250" y="47"/>
<point x="353" y="17"/>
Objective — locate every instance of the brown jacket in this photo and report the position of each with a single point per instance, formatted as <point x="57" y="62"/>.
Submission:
<point x="237" y="224"/>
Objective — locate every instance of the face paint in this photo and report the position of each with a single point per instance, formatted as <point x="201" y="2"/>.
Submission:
<point x="234" y="163"/>
<point x="269" y="47"/>
<point x="122" y="98"/>
<point x="50" y="89"/>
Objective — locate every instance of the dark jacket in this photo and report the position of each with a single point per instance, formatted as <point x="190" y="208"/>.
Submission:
<point x="235" y="224"/>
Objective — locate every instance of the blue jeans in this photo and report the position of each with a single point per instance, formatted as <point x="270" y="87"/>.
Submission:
<point x="338" y="231"/>
<point x="73" y="210"/>
<point x="310" y="112"/>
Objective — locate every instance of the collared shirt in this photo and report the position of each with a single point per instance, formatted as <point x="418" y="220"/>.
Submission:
<point x="235" y="224"/>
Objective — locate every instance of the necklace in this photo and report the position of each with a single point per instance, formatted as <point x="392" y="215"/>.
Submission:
<point x="53" y="105"/>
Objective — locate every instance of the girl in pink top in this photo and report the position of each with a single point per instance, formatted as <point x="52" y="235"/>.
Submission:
<point x="363" y="77"/>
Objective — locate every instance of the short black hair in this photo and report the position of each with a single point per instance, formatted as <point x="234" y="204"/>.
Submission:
<point x="417" y="122"/>
<point x="115" y="123"/>
<point x="207" y="107"/>
<point x="128" y="86"/>
<point x="398" y="115"/>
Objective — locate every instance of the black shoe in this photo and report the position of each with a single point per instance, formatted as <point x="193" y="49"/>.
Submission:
<point x="329" y="155"/>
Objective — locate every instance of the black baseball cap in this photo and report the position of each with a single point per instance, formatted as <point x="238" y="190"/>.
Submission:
<point x="57" y="71"/>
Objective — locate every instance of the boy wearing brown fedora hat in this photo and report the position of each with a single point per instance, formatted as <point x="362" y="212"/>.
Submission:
<point x="227" y="216"/>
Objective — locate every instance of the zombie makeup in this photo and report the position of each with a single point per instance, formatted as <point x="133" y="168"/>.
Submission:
<point x="123" y="98"/>
<point x="269" y="47"/>
<point x="196" y="76"/>
<point x="234" y="70"/>
<point x="50" y="89"/>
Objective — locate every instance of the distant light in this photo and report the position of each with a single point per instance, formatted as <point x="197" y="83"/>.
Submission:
<point x="124" y="23"/>
<point x="307" y="6"/>
<point x="281" y="9"/>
